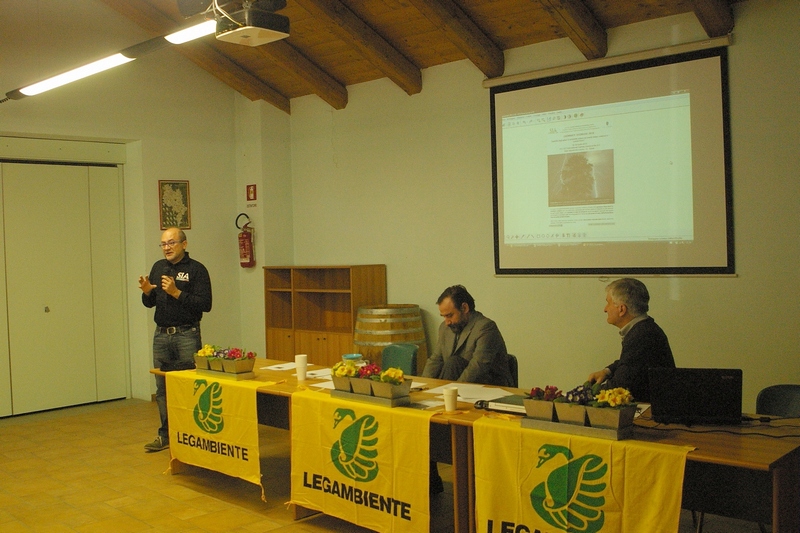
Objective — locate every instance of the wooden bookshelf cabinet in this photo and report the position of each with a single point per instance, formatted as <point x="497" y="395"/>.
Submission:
<point x="312" y="309"/>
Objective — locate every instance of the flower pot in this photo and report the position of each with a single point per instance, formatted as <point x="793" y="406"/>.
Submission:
<point x="539" y="409"/>
<point x="361" y="386"/>
<point x="571" y="413"/>
<point x="238" y="366"/>
<point x="611" y="417"/>
<point x="341" y="383"/>
<point x="215" y="363"/>
<point x="390" y="390"/>
<point x="201" y="362"/>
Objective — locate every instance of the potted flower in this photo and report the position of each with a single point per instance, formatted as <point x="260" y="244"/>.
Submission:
<point x="540" y="404"/>
<point x="341" y="373"/>
<point x="571" y="408"/>
<point x="391" y="383"/>
<point x="362" y="383"/>
<point x="612" y="408"/>
<point x="238" y="361"/>
<point x="201" y="356"/>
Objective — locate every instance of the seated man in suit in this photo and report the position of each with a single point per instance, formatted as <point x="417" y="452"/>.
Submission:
<point x="470" y="348"/>
<point x="644" y="343"/>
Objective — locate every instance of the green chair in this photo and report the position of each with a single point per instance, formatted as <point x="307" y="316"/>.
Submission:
<point x="402" y="356"/>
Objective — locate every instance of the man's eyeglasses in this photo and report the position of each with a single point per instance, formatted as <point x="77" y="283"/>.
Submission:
<point x="169" y="244"/>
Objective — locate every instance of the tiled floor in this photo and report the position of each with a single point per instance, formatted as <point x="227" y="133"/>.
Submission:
<point x="84" y="470"/>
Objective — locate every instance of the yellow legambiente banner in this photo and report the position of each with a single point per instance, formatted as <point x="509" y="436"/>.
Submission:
<point x="360" y="462"/>
<point x="548" y="482"/>
<point x="213" y="423"/>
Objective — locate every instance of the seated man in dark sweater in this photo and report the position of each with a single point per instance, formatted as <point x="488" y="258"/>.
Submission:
<point x="644" y="343"/>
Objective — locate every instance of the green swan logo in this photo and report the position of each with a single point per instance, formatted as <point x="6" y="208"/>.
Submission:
<point x="355" y="452"/>
<point x="208" y="410"/>
<point x="571" y="497"/>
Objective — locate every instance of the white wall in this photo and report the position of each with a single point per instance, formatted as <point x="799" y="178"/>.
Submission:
<point x="177" y="121"/>
<point x="406" y="181"/>
<point x="263" y="158"/>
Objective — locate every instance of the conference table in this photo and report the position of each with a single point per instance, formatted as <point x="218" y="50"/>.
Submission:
<point x="750" y="472"/>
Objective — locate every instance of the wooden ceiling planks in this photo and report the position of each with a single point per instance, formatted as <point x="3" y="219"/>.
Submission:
<point x="336" y="43"/>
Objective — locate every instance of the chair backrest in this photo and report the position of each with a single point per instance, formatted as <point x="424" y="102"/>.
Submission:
<point x="402" y="356"/>
<point x="779" y="400"/>
<point x="513" y="366"/>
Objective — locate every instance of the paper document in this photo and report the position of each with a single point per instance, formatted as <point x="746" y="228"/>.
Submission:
<point x="471" y="392"/>
<point x="322" y="373"/>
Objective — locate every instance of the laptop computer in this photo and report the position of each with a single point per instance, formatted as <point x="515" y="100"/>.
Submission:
<point x="705" y="396"/>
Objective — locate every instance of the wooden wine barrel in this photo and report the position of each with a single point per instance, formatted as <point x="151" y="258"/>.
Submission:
<point x="378" y="326"/>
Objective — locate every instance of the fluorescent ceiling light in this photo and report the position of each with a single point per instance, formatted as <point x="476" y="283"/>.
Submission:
<point x="129" y="54"/>
<point x="194" y="32"/>
<point x="75" y="74"/>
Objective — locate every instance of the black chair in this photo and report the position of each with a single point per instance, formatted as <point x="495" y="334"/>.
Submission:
<point x="779" y="400"/>
<point x="513" y="366"/>
<point x="775" y="400"/>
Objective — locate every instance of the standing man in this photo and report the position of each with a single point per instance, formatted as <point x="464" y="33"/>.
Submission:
<point x="470" y="348"/>
<point x="644" y="343"/>
<point x="180" y="289"/>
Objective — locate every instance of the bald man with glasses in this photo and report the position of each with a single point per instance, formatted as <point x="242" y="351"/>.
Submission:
<point x="180" y="289"/>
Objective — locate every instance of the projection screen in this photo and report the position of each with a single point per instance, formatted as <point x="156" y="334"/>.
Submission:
<point x="618" y="170"/>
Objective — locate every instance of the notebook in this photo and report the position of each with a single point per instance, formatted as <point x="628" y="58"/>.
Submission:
<point x="505" y="404"/>
<point x="696" y="395"/>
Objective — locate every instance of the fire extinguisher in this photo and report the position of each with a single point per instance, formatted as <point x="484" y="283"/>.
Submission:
<point x="247" y="257"/>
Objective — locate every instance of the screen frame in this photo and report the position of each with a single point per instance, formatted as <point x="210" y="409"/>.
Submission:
<point x="725" y="269"/>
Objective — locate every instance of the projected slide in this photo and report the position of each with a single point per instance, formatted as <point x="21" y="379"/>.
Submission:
<point x="613" y="172"/>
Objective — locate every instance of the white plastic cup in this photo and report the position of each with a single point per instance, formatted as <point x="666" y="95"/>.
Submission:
<point x="450" y="398"/>
<point x="301" y="363"/>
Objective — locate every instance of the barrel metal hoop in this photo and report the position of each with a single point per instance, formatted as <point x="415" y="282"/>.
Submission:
<point x="380" y="343"/>
<point x="387" y="331"/>
<point x="389" y="311"/>
<point x="385" y="320"/>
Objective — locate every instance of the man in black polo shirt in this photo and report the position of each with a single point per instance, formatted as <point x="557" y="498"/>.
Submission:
<point x="180" y="289"/>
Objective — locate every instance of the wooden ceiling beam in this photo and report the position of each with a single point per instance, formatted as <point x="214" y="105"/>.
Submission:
<point x="716" y="16"/>
<point x="580" y="25"/>
<point x="465" y="34"/>
<point x="234" y="76"/>
<point x="206" y="57"/>
<point x="360" y="35"/>
<point x="320" y="82"/>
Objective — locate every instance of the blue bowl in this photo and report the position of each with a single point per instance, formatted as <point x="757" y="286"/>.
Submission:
<point x="355" y="357"/>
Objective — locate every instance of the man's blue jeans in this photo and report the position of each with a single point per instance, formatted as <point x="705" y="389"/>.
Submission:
<point x="172" y="352"/>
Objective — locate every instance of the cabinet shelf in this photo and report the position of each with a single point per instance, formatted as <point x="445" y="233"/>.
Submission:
<point x="339" y="291"/>
<point x="312" y="309"/>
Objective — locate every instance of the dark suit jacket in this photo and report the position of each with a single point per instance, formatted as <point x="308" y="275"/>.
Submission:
<point x="481" y="345"/>
<point x="644" y="346"/>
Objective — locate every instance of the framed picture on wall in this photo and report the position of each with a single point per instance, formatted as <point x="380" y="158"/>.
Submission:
<point x="174" y="206"/>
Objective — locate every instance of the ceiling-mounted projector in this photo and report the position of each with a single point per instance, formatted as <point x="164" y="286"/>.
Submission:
<point x="252" y="27"/>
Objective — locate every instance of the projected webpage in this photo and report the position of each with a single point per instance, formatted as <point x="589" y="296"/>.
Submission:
<point x="618" y="172"/>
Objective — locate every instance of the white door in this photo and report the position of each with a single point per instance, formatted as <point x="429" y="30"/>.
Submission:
<point x="49" y="285"/>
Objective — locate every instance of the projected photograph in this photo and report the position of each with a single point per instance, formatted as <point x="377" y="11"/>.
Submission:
<point x="582" y="178"/>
